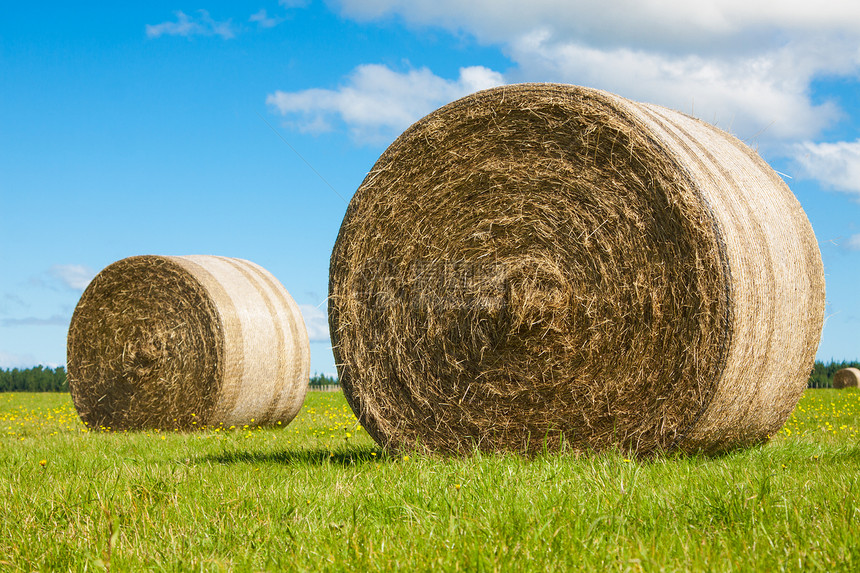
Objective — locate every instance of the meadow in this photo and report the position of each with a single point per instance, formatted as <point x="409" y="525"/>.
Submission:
<point x="318" y="495"/>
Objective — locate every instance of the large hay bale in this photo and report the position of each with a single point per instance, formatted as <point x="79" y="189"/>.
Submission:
<point x="184" y="342"/>
<point x="846" y="378"/>
<point x="541" y="260"/>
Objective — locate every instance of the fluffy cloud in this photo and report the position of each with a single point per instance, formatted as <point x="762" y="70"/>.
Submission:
<point x="667" y="25"/>
<point x="746" y="66"/>
<point x="75" y="277"/>
<point x="377" y="102"/>
<point x="200" y="25"/>
<point x="756" y="95"/>
<point x="316" y="321"/>
<point x="263" y="20"/>
<point x="837" y="165"/>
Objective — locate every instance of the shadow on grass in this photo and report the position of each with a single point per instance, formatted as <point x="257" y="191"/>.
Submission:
<point x="317" y="456"/>
<point x="362" y="455"/>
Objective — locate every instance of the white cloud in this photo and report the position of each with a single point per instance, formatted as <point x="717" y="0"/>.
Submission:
<point x="75" y="277"/>
<point x="200" y="25"/>
<point x="10" y="360"/>
<point x="761" y="93"/>
<point x="316" y="321"/>
<point x="377" y="102"/>
<point x="837" y="164"/>
<point x="747" y="65"/>
<point x="666" y="24"/>
<point x="853" y="243"/>
<point x="263" y="20"/>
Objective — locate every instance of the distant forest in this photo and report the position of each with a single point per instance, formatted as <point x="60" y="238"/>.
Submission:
<point x="37" y="379"/>
<point x="822" y="374"/>
<point x="44" y="379"/>
<point x="321" y="380"/>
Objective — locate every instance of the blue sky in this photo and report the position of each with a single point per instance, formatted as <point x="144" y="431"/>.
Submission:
<point x="243" y="129"/>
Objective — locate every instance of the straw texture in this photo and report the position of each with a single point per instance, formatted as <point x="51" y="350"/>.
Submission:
<point x="846" y="378"/>
<point x="183" y="342"/>
<point x="542" y="264"/>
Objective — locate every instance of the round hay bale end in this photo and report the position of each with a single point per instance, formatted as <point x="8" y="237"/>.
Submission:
<point x="544" y="264"/>
<point x="846" y="378"/>
<point x="185" y="342"/>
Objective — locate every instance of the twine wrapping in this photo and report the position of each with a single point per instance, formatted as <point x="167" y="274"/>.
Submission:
<point x="544" y="264"/>
<point x="846" y="378"/>
<point x="184" y="342"/>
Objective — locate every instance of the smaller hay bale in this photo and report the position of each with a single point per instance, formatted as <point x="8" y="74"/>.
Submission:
<point x="846" y="378"/>
<point x="185" y="342"/>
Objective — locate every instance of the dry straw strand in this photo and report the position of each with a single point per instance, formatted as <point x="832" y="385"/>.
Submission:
<point x="185" y="342"/>
<point x="846" y="378"/>
<point x="542" y="264"/>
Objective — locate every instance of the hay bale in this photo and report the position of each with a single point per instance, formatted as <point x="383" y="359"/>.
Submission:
<point x="183" y="342"/>
<point x="846" y="378"/>
<point x="543" y="263"/>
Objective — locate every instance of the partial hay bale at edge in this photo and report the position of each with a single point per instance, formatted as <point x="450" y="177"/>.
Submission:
<point x="183" y="342"/>
<point x="544" y="263"/>
<point x="846" y="378"/>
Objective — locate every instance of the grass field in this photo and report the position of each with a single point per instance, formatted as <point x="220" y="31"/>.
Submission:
<point x="318" y="495"/>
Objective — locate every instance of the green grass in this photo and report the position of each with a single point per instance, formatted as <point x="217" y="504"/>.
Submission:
<point x="319" y="495"/>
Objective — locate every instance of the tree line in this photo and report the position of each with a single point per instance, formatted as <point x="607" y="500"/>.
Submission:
<point x="822" y="374"/>
<point x="36" y="379"/>
<point x="45" y="379"/>
<point x="321" y="380"/>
